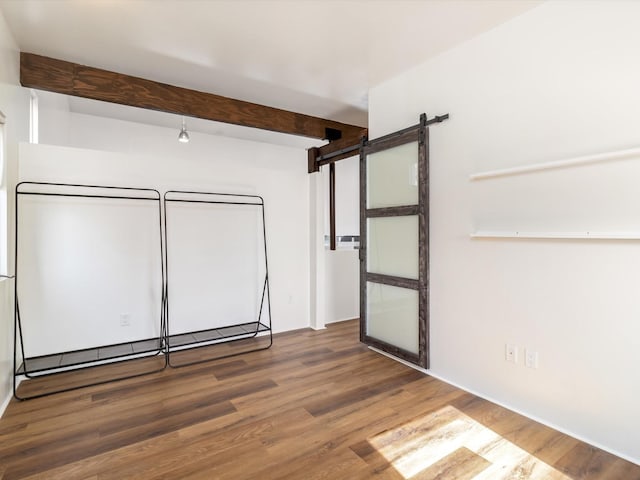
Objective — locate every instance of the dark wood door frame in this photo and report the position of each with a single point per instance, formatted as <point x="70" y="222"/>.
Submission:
<point x="418" y="133"/>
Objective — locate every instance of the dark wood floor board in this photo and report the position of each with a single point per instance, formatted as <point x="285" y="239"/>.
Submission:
<point x="203" y="354"/>
<point x="86" y="376"/>
<point x="181" y="389"/>
<point x="210" y="454"/>
<point x="317" y="382"/>
<point x="148" y="459"/>
<point x="431" y="388"/>
<point x="414" y="406"/>
<point x="147" y="454"/>
<point x="43" y="384"/>
<point x="63" y="453"/>
<point x="71" y="424"/>
<point x="366" y="373"/>
<point x="481" y="410"/>
<point x="355" y="396"/>
<point x="118" y="392"/>
<point x="587" y="463"/>
<point x="157" y="418"/>
<point x="20" y="412"/>
<point x="289" y="368"/>
<point x="313" y="442"/>
<point x="343" y="462"/>
<point x="383" y="415"/>
<point x="123" y="411"/>
<point x="355" y="371"/>
<point x="619" y="469"/>
<point x="319" y="447"/>
<point x="165" y="381"/>
<point x="317" y="405"/>
<point x="258" y="460"/>
<point x="216" y="464"/>
<point x="106" y="462"/>
<point x="184" y="464"/>
<point x="543" y="442"/>
<point x="344" y="429"/>
<point x="318" y="377"/>
<point x="405" y="405"/>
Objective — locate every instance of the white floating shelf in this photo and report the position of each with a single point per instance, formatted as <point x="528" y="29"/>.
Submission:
<point x="572" y="162"/>
<point x="559" y="235"/>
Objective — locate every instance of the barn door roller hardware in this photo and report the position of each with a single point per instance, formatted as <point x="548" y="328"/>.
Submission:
<point x="328" y="154"/>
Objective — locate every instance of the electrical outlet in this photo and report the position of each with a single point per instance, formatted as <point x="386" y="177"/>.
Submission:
<point x="125" y="320"/>
<point x="511" y="353"/>
<point x="530" y="358"/>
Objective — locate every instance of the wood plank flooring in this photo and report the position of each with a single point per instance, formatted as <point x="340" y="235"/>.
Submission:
<point x="317" y="405"/>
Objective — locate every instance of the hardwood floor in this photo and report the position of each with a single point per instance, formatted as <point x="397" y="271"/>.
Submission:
<point x="317" y="405"/>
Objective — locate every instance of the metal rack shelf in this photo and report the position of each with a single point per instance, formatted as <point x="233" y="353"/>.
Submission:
<point x="165" y="343"/>
<point x="216" y="334"/>
<point x="60" y="362"/>
<point x="179" y="342"/>
<point x="87" y="356"/>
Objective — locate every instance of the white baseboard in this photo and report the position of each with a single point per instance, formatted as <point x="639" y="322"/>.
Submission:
<point x="513" y="409"/>
<point x="5" y="404"/>
<point x="343" y="320"/>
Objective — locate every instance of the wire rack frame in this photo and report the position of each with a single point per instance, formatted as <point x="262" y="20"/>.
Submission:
<point x="116" y="355"/>
<point x="229" y="333"/>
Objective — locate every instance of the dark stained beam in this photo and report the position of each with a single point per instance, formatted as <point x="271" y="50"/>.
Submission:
<point x="334" y="148"/>
<point x="332" y="206"/>
<point x="345" y="147"/>
<point x="59" y="76"/>
<point x="312" y="164"/>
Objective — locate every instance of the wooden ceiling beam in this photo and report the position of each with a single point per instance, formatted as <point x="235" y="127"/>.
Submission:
<point x="347" y="146"/>
<point x="59" y="76"/>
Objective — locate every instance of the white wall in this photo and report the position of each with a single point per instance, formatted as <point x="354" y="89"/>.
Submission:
<point x="342" y="266"/>
<point x="342" y="284"/>
<point x="335" y="276"/>
<point x="560" y="81"/>
<point x="347" y="197"/>
<point x="84" y="263"/>
<point x="112" y="152"/>
<point x="14" y="104"/>
<point x="317" y="255"/>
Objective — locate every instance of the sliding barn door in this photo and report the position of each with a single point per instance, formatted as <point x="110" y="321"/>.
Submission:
<point x="394" y="240"/>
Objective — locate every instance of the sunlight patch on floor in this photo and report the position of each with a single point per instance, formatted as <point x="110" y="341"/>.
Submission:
<point x="449" y="444"/>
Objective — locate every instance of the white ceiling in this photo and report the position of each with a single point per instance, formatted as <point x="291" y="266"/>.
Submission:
<point x="317" y="57"/>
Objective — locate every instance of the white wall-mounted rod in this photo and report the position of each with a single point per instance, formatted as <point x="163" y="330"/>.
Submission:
<point x="572" y="162"/>
<point x="558" y="235"/>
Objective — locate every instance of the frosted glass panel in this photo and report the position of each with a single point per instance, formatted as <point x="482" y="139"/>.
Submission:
<point x="392" y="246"/>
<point x="392" y="315"/>
<point x="392" y="177"/>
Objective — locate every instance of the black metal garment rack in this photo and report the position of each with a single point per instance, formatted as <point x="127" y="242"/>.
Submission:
<point x="237" y="332"/>
<point x="62" y="362"/>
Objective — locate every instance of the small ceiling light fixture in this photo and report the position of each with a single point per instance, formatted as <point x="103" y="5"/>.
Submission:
<point x="183" y="136"/>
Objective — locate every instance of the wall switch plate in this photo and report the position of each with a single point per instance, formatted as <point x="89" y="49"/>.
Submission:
<point x="531" y="358"/>
<point x="125" y="320"/>
<point x="511" y="353"/>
